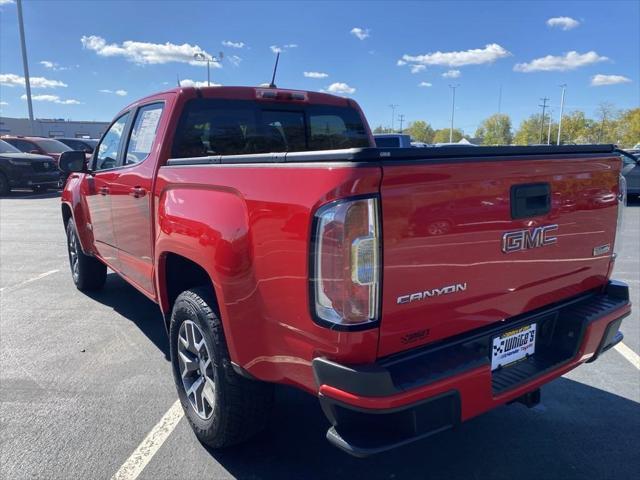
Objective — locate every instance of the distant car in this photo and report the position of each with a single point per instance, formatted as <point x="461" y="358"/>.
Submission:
<point x="26" y="170"/>
<point x="392" y="140"/>
<point x="636" y="146"/>
<point x="86" y="145"/>
<point x="420" y="145"/>
<point x="39" y="145"/>
<point x="631" y="172"/>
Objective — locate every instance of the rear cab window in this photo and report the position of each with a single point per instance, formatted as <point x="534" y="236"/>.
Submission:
<point x="237" y="127"/>
<point x="143" y="133"/>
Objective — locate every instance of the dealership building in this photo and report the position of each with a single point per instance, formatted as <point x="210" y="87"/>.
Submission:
<point x="46" y="127"/>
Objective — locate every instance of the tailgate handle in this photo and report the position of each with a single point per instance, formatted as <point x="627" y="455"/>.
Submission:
<point x="530" y="200"/>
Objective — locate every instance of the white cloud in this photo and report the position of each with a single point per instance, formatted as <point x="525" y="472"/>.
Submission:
<point x="565" y="23"/>
<point x="52" y="66"/>
<point x="360" y="33"/>
<point x="229" y="43"/>
<point x="424" y="84"/>
<point x="340" y="88"/>
<point x="280" y="49"/>
<point x="4" y="103"/>
<point x="234" y="60"/>
<point x="187" y="82"/>
<point x="121" y="93"/>
<point x="315" y="74"/>
<point x="600" y="80"/>
<point x="418" y="68"/>
<point x="452" y="74"/>
<point x="568" y="61"/>
<point x="52" y="99"/>
<point x="12" y="80"/>
<point x="477" y="56"/>
<point x="401" y="63"/>
<point x="6" y="2"/>
<point x="145" y="53"/>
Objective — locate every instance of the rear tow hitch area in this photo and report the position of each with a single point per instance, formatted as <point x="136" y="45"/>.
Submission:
<point x="529" y="399"/>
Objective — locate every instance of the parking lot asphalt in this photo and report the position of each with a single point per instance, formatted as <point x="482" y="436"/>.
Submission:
<point x="85" y="378"/>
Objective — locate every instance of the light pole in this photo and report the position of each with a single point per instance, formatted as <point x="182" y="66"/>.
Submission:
<point x="393" y="116"/>
<point x="453" y="108"/>
<point x="25" y="64"/>
<point x="564" y="87"/>
<point x="201" y="57"/>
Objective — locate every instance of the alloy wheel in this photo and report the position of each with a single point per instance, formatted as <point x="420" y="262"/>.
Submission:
<point x="196" y="369"/>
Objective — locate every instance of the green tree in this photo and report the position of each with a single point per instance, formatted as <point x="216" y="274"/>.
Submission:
<point x="442" y="135"/>
<point x="607" y="117"/>
<point x="575" y="128"/>
<point x="495" y="130"/>
<point x="528" y="132"/>
<point x="381" y="129"/>
<point x="420" y="131"/>
<point x="629" y="128"/>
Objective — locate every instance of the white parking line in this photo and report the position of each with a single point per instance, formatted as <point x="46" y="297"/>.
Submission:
<point x="629" y="354"/>
<point x="150" y="445"/>
<point x="18" y="285"/>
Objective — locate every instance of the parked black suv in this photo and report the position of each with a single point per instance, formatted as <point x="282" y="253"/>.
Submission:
<point x="26" y="170"/>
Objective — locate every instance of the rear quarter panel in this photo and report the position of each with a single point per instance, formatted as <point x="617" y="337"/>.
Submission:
<point x="249" y="227"/>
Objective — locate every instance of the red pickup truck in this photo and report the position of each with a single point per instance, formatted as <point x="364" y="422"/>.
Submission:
<point x="408" y="289"/>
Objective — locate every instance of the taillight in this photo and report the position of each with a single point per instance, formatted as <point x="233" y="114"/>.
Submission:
<point x="622" y="203"/>
<point x="345" y="274"/>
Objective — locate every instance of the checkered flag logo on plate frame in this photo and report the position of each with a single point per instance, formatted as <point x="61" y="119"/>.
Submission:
<point x="498" y="349"/>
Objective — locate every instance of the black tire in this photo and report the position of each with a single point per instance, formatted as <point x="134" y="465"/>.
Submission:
<point x="4" y="184"/>
<point x="242" y="406"/>
<point x="88" y="273"/>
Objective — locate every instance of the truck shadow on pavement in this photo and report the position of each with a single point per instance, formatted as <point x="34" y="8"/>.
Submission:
<point x="577" y="431"/>
<point x="131" y="304"/>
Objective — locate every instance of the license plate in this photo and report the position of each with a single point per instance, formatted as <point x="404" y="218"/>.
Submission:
<point x="513" y="345"/>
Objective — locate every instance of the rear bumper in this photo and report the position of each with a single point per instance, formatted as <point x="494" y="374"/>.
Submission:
<point x="409" y="396"/>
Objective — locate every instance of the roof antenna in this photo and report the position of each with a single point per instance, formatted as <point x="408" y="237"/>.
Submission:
<point x="178" y="78"/>
<point x="275" y="69"/>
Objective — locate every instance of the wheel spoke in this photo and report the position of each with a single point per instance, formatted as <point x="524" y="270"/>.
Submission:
<point x="187" y="364"/>
<point x="209" y="392"/>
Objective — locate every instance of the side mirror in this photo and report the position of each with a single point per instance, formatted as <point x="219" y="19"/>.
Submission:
<point x="72" y="161"/>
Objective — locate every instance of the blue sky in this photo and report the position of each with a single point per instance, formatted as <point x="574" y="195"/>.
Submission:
<point x="367" y="50"/>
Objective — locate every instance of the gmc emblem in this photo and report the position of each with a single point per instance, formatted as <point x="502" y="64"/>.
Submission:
<point x="530" y="238"/>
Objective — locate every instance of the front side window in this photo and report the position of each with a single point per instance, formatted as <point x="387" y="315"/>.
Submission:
<point x="23" y="145"/>
<point x="143" y="133"/>
<point x="227" y="127"/>
<point x="109" y="148"/>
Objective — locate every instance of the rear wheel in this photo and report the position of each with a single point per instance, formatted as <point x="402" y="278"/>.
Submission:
<point x="88" y="273"/>
<point x="4" y="184"/>
<point x="222" y="407"/>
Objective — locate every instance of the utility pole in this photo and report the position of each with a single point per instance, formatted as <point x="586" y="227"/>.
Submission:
<point x="549" y="132"/>
<point x="564" y="87"/>
<point x="25" y="65"/>
<point x="393" y="115"/>
<point x="208" y="58"/>
<point x="544" y="108"/>
<point x="401" y="118"/>
<point x="453" y="108"/>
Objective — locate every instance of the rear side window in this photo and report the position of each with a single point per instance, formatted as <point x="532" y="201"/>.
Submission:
<point x="143" y="133"/>
<point x="229" y="127"/>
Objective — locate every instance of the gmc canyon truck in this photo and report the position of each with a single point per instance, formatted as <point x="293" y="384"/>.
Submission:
<point x="283" y="247"/>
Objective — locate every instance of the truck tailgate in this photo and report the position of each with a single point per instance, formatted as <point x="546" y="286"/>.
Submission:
<point x="445" y="271"/>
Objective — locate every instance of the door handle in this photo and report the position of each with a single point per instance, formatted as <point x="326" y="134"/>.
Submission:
<point x="137" y="192"/>
<point x="103" y="190"/>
